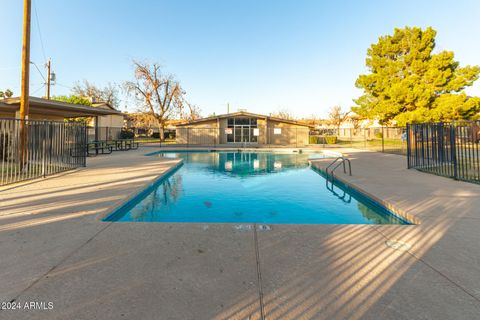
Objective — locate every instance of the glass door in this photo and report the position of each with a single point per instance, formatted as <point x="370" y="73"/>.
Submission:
<point x="242" y="130"/>
<point x="245" y="133"/>
<point x="237" y="133"/>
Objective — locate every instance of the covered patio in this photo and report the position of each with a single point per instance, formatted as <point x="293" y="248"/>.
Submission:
<point x="52" y="110"/>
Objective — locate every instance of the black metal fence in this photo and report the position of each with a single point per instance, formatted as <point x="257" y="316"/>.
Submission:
<point x="448" y="149"/>
<point x="380" y="139"/>
<point x="104" y="133"/>
<point x="240" y="136"/>
<point x="49" y="147"/>
<point x="191" y="137"/>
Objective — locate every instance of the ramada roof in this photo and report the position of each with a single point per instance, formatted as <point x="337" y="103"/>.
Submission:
<point x="51" y="107"/>
<point x="244" y="114"/>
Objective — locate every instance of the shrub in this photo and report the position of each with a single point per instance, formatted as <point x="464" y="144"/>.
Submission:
<point x="314" y="140"/>
<point x="378" y="135"/>
<point x="156" y="135"/>
<point x="126" y="134"/>
<point x="330" y="139"/>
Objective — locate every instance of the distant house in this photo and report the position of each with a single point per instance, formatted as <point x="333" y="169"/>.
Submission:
<point x="116" y="120"/>
<point x="242" y="128"/>
<point x="352" y="125"/>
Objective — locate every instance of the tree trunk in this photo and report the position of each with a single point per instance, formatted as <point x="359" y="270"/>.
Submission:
<point x="160" y="125"/>
<point x="162" y="133"/>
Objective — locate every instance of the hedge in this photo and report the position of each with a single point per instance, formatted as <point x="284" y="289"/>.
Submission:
<point x="322" y="140"/>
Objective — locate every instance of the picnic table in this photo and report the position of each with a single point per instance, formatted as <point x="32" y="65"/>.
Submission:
<point x="98" y="147"/>
<point x="122" y="144"/>
<point x="94" y="148"/>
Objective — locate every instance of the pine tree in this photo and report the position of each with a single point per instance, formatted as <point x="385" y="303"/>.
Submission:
<point x="409" y="83"/>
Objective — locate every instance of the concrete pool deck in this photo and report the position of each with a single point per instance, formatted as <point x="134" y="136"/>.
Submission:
<point x="54" y="248"/>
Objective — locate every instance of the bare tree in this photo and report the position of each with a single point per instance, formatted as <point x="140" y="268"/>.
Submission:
<point x="337" y="116"/>
<point x="283" y="114"/>
<point x="108" y="94"/>
<point x="141" y="120"/>
<point x="6" y="94"/>
<point x="312" y="120"/>
<point x="189" y="112"/>
<point x="161" y="95"/>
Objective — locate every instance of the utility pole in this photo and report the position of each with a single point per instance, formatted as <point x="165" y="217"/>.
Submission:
<point x="24" y="99"/>
<point x="49" y="77"/>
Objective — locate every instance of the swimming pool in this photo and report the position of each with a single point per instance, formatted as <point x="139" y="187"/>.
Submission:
<point x="250" y="187"/>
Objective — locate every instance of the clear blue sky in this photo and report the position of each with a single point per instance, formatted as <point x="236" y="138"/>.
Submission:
<point x="259" y="55"/>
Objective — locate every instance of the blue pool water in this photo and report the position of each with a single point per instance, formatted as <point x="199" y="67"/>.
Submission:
<point x="250" y="187"/>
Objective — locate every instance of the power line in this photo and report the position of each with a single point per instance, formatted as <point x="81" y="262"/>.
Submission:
<point x="36" y="67"/>
<point x="62" y="85"/>
<point x="43" y="86"/>
<point x="39" y="31"/>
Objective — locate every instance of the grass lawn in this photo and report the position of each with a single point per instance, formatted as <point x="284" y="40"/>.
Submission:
<point x="154" y="140"/>
<point x="389" y="145"/>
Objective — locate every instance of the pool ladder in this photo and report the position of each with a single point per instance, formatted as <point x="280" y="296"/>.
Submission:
<point x="331" y="176"/>
<point x="335" y="164"/>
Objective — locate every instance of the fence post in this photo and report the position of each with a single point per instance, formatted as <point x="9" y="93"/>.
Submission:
<point x="364" y="139"/>
<point x="409" y="164"/>
<point x="44" y="147"/>
<point x="453" y="150"/>
<point x="85" y="145"/>
<point x="97" y="134"/>
<point x="383" y="140"/>
<point x="296" y="137"/>
<point x="351" y="137"/>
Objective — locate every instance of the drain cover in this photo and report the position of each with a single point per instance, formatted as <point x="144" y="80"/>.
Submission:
<point x="249" y="227"/>
<point x="243" y="227"/>
<point x="398" y="245"/>
<point x="263" y="227"/>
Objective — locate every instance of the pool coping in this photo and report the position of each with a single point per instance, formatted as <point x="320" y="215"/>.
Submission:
<point x="411" y="219"/>
<point x="213" y="149"/>
<point x="138" y="192"/>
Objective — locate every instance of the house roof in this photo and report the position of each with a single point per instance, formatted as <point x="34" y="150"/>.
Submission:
<point x="42" y="106"/>
<point x="240" y="114"/>
<point x="104" y="105"/>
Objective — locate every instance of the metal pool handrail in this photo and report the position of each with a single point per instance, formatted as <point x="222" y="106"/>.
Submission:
<point x="343" y="160"/>
<point x="330" y="174"/>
